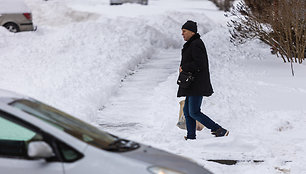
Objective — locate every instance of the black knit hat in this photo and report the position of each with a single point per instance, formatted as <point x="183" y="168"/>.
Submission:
<point x="190" y="25"/>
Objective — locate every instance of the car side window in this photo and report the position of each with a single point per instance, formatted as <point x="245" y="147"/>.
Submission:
<point x="14" y="139"/>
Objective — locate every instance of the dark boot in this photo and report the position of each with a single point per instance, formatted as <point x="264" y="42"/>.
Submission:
<point x="185" y="137"/>
<point x="220" y="132"/>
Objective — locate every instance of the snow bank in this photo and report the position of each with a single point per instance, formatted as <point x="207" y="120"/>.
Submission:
<point x="76" y="63"/>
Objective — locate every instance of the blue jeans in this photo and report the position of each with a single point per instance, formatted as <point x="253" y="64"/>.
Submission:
<point x="192" y="112"/>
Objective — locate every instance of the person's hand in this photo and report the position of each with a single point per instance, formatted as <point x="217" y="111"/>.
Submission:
<point x="181" y="69"/>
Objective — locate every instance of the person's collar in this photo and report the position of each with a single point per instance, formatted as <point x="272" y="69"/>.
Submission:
<point x="194" y="37"/>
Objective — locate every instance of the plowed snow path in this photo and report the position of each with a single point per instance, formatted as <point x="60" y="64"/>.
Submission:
<point x="130" y="108"/>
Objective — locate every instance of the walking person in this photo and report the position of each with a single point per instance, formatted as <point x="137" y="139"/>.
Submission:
<point x="194" y="60"/>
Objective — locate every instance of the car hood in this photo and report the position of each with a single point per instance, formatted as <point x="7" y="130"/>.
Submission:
<point x="162" y="158"/>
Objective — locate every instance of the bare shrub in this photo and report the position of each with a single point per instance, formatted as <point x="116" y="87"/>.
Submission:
<point x="224" y="5"/>
<point x="279" y="23"/>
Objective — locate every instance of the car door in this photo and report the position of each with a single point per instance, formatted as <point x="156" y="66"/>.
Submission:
<point x="14" y="138"/>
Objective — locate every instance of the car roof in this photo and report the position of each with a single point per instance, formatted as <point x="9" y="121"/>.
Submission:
<point x="13" y="6"/>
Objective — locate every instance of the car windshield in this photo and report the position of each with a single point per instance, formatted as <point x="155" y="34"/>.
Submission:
<point x="67" y="123"/>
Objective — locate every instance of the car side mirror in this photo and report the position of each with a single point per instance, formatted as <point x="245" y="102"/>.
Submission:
<point x="39" y="149"/>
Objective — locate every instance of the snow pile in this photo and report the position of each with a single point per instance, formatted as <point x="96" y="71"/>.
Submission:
<point x="80" y="59"/>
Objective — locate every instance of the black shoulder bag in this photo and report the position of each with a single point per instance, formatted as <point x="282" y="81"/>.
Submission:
<point x="185" y="79"/>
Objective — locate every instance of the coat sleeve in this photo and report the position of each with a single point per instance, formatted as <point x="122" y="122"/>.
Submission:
<point x="199" y="58"/>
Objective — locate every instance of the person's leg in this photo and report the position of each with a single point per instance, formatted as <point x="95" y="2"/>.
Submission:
<point x="190" y="122"/>
<point x="194" y="108"/>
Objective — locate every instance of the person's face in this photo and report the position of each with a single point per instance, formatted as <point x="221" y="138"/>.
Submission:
<point x="187" y="34"/>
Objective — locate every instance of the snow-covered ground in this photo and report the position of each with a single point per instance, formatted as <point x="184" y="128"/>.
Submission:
<point x="116" y="67"/>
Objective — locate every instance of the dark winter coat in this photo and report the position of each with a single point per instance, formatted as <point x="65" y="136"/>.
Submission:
<point x="194" y="60"/>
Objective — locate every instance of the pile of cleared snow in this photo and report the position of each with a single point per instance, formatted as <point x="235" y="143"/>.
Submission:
<point x="77" y="65"/>
<point x="4" y="34"/>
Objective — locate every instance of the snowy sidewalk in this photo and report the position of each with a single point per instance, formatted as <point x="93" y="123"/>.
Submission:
<point x="128" y="108"/>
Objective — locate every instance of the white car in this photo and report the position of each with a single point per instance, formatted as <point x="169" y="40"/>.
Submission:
<point x="36" y="138"/>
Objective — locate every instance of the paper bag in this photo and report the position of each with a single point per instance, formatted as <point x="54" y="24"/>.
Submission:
<point x="182" y="122"/>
